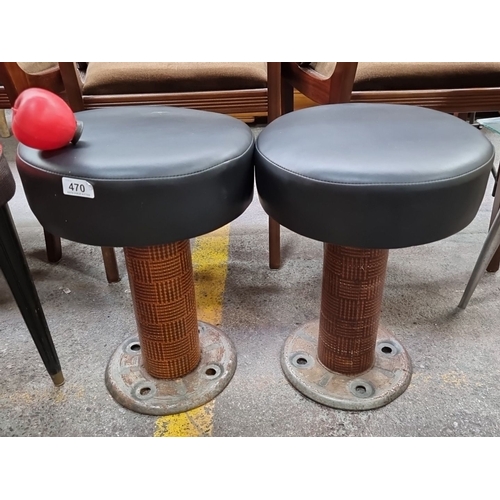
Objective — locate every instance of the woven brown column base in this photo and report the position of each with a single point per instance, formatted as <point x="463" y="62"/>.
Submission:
<point x="351" y="298"/>
<point x="345" y="360"/>
<point x="177" y="363"/>
<point x="162" y="287"/>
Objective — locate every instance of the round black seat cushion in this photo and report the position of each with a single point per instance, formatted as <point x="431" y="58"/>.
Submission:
<point x="158" y="174"/>
<point x="372" y="175"/>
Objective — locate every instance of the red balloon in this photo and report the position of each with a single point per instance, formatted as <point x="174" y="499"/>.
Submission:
<point x="42" y="120"/>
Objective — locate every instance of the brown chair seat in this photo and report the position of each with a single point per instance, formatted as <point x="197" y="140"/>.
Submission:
<point x="37" y="67"/>
<point x="30" y="68"/>
<point x="420" y="75"/>
<point x="152" y="77"/>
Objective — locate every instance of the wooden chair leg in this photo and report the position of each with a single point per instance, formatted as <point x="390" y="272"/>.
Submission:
<point x="273" y="112"/>
<point x="494" y="264"/>
<point x="17" y="274"/>
<point x="287" y="97"/>
<point x="53" y="247"/>
<point x="54" y="254"/>
<point x="287" y="105"/>
<point x="4" y="128"/>
<point x="110" y="265"/>
<point x="274" y="244"/>
<point x="273" y="91"/>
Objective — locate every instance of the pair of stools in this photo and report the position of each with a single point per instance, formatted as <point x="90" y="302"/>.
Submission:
<point x="363" y="178"/>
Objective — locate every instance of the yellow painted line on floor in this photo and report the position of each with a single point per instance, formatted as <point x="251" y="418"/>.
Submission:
<point x="192" y="423"/>
<point x="210" y="255"/>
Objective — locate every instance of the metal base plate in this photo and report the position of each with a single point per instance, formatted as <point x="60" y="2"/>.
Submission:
<point x="132" y="387"/>
<point x="384" y="382"/>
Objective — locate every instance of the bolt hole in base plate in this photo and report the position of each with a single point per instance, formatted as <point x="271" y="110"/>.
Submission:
<point x="384" y="382"/>
<point x="132" y="387"/>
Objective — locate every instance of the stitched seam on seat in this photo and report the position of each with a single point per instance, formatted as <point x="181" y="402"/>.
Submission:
<point x="374" y="183"/>
<point x="138" y="178"/>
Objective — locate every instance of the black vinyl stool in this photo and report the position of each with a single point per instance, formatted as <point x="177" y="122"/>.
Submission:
<point x="149" y="178"/>
<point x="17" y="274"/>
<point x="364" y="178"/>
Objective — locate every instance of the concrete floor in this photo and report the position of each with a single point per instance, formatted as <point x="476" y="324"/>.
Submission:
<point x="455" y="354"/>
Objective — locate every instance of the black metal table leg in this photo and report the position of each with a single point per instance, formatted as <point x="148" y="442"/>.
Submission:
<point x="15" y="269"/>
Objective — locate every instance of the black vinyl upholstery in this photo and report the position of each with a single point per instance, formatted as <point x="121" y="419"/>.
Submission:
<point x="159" y="175"/>
<point x="372" y="175"/>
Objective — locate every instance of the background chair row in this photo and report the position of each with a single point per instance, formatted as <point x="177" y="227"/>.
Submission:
<point x="254" y="90"/>
<point x="460" y="88"/>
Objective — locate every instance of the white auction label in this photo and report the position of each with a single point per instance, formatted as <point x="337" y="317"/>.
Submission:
<point x="77" y="187"/>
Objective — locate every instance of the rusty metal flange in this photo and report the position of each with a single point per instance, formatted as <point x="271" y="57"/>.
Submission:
<point x="132" y="387"/>
<point x="384" y="382"/>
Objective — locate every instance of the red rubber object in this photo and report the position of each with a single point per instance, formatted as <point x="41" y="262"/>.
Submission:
<point x="42" y="120"/>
